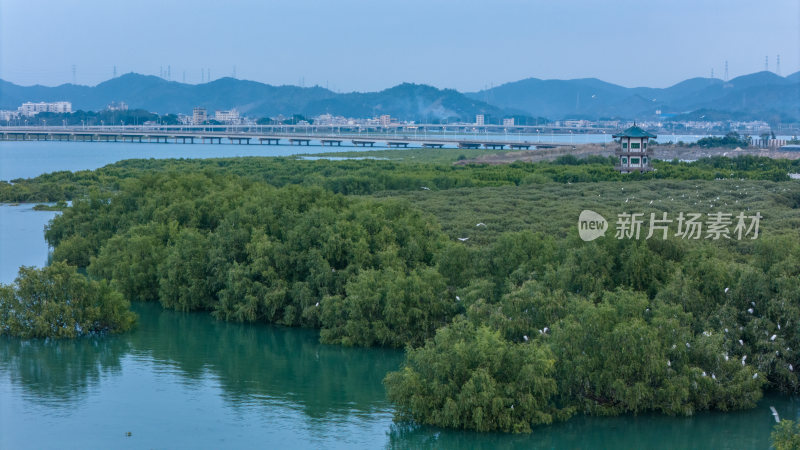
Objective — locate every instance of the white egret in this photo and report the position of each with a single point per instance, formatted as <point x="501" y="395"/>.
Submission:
<point x="775" y="414"/>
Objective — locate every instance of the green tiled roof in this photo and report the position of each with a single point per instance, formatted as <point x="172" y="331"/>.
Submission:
<point x="634" y="132"/>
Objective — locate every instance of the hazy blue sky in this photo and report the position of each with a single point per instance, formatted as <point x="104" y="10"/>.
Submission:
<point x="374" y="44"/>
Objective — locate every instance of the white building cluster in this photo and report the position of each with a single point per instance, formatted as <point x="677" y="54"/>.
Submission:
<point x="228" y="117"/>
<point x="30" y="109"/>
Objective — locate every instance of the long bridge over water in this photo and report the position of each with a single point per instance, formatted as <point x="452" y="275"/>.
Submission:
<point x="257" y="135"/>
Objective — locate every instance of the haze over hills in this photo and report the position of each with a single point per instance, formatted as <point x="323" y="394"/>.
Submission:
<point x="762" y="95"/>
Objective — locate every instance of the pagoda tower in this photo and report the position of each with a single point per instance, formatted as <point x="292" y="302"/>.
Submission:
<point x="633" y="154"/>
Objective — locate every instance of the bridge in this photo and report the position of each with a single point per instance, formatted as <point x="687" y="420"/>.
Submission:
<point x="258" y="136"/>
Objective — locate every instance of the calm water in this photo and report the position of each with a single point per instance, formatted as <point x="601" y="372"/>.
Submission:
<point x="29" y="159"/>
<point x="188" y="381"/>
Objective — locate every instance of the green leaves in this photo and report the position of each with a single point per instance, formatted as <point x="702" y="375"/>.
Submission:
<point x="470" y="377"/>
<point x="59" y="302"/>
<point x="387" y="308"/>
<point x="786" y="435"/>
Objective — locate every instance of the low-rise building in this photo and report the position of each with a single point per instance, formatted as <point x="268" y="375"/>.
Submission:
<point x="230" y="116"/>
<point x="114" y="106"/>
<point x="7" y="115"/>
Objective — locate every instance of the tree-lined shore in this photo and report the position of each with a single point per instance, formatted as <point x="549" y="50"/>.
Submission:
<point x="509" y="320"/>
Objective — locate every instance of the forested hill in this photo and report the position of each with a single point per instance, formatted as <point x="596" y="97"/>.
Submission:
<point x="405" y="101"/>
<point x="762" y="95"/>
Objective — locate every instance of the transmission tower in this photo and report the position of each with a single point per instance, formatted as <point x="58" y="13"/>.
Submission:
<point x="726" y="70"/>
<point x="74" y="78"/>
<point x="778" y="65"/>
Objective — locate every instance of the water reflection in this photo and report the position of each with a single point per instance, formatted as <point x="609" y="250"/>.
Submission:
<point x="253" y="364"/>
<point x="59" y="373"/>
<point x="734" y="430"/>
<point x="259" y="364"/>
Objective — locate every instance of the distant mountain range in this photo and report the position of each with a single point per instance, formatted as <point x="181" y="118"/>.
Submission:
<point x="762" y="95"/>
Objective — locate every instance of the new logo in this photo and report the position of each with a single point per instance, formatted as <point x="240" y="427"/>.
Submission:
<point x="591" y="225"/>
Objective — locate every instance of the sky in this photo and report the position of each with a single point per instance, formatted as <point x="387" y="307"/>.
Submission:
<point x="369" y="45"/>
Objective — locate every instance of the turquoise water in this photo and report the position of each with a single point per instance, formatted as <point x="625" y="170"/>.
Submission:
<point x="21" y="238"/>
<point x="29" y="159"/>
<point x="185" y="380"/>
